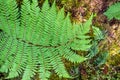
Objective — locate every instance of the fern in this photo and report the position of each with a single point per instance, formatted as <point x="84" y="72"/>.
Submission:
<point x="35" y="40"/>
<point x="102" y="59"/>
<point x="98" y="36"/>
<point x="113" y="11"/>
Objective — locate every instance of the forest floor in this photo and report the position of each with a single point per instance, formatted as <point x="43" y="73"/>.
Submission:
<point x="80" y="11"/>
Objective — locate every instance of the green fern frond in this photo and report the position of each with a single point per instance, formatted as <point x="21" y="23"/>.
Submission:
<point x="86" y="26"/>
<point x="31" y="65"/>
<point x="8" y="55"/>
<point x="70" y="54"/>
<point x="9" y="15"/>
<point x="81" y="41"/>
<point x="44" y="62"/>
<point x="45" y="6"/>
<point x="98" y="34"/>
<point x="20" y="60"/>
<point x="35" y="40"/>
<point x="57" y="64"/>
<point x="113" y="11"/>
<point x="102" y="59"/>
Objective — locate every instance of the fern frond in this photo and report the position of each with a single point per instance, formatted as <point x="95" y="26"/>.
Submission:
<point x="57" y="64"/>
<point x="3" y="40"/>
<point x="70" y="54"/>
<point x="31" y="65"/>
<point x="19" y="62"/>
<point x="44" y="64"/>
<point x="86" y="26"/>
<point x="66" y="30"/>
<point x="113" y="11"/>
<point x="38" y="39"/>
<point x="45" y="6"/>
<point x="101" y="59"/>
<point x="8" y="54"/>
<point x="81" y="41"/>
<point x="49" y="18"/>
<point x="98" y="34"/>
<point x="9" y="16"/>
<point x="25" y="21"/>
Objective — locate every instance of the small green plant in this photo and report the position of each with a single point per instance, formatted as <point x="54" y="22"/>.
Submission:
<point x="34" y="40"/>
<point x="95" y="51"/>
<point x="97" y="37"/>
<point x="113" y="11"/>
